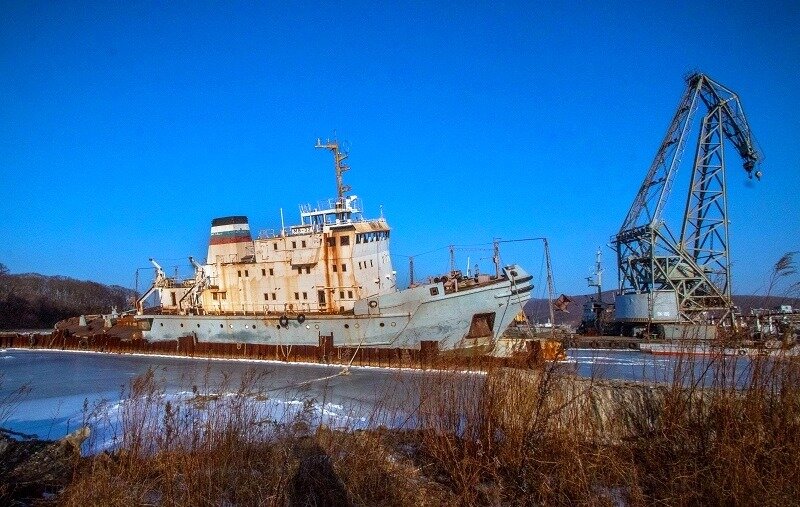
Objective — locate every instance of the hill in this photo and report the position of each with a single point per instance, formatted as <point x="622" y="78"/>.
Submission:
<point x="34" y="301"/>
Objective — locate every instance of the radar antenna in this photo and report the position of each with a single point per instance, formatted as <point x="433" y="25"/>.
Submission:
<point x="339" y="157"/>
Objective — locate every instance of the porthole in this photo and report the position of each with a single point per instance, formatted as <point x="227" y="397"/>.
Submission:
<point x="230" y="326"/>
<point x="161" y="324"/>
<point x="382" y="324"/>
<point x="198" y="325"/>
<point x="316" y="326"/>
<point x="278" y="326"/>
<point x="393" y="324"/>
<point x="221" y="326"/>
<point x="357" y="325"/>
<point x="254" y="326"/>
<point x="181" y="324"/>
<point x="347" y="326"/>
<point x="308" y="327"/>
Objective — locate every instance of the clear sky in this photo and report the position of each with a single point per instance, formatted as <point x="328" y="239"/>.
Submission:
<point x="125" y="127"/>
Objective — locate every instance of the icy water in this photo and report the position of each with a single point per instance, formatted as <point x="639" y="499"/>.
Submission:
<point x="65" y="390"/>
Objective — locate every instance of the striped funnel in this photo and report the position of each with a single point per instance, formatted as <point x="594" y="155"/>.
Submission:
<point x="228" y="230"/>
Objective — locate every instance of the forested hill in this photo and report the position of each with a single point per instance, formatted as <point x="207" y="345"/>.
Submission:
<point x="33" y="301"/>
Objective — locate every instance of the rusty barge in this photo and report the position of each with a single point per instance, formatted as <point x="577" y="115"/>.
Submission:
<point x="322" y="291"/>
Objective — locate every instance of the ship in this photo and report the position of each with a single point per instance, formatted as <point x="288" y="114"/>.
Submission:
<point x="327" y="282"/>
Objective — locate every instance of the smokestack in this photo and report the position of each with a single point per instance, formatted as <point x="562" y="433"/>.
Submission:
<point x="229" y="238"/>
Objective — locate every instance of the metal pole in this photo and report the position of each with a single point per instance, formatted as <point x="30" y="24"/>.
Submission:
<point x="549" y="285"/>
<point x="496" y="257"/>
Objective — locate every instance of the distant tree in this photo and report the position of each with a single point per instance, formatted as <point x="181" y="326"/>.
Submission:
<point x="3" y="269"/>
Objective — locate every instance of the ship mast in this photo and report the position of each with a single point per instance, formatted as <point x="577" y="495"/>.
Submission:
<point x="338" y="162"/>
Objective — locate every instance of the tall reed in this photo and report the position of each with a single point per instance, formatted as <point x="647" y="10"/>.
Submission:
<point x="719" y="432"/>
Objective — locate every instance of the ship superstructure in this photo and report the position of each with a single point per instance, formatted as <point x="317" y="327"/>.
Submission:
<point x="329" y="278"/>
<point x="333" y="258"/>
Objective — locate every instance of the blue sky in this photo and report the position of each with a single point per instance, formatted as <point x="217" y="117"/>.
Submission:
<point x="125" y="127"/>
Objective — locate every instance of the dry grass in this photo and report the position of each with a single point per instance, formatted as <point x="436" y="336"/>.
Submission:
<point x="510" y="437"/>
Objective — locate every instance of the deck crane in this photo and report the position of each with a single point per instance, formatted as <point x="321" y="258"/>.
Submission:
<point x="669" y="278"/>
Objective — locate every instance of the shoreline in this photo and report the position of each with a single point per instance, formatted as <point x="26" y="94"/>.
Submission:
<point x="254" y="361"/>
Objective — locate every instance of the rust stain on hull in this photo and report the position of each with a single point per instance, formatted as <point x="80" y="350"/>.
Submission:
<point x="427" y="357"/>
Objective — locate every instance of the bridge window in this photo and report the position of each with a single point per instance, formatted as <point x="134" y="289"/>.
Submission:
<point x="434" y="291"/>
<point x="274" y="246"/>
<point x="308" y="270"/>
<point x="263" y="272"/>
<point x="334" y="268"/>
<point x="303" y="244"/>
<point x="266" y="297"/>
<point x="305" y="295"/>
<point x="344" y="240"/>
<point x="274" y="297"/>
<point x="344" y="268"/>
<point x="297" y="295"/>
<point x="271" y="271"/>
<point x="294" y="244"/>
<point x="246" y="273"/>
<point x="350" y="294"/>
<point x="331" y="241"/>
<point x="341" y="294"/>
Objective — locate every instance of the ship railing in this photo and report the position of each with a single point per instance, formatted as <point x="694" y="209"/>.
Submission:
<point x="175" y="283"/>
<point x="333" y="205"/>
<point x="268" y="234"/>
<point x="227" y="259"/>
<point x="265" y="309"/>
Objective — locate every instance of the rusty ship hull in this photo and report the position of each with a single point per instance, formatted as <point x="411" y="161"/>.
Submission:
<point x="409" y="330"/>
<point x="321" y="290"/>
<point x="452" y="319"/>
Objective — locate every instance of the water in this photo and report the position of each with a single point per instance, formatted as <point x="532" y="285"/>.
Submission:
<point x="70" y="389"/>
<point x="623" y="364"/>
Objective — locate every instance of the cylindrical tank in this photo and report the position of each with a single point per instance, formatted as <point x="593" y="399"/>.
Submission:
<point x="660" y="306"/>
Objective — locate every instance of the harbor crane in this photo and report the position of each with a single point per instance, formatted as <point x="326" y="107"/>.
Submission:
<point x="668" y="275"/>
